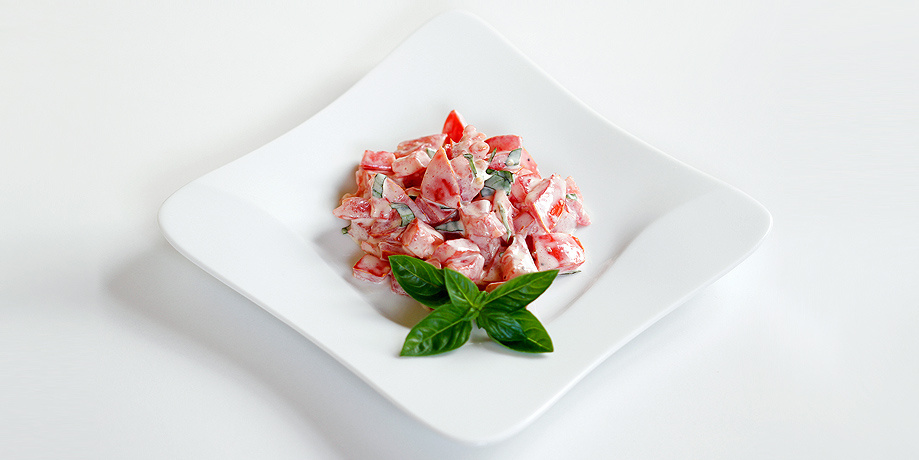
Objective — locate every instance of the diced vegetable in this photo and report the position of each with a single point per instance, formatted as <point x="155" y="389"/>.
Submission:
<point x="411" y="163"/>
<point x="453" y="126"/>
<point x="463" y="256"/>
<point x="353" y="207"/>
<point x="478" y="220"/>
<point x="371" y="268"/>
<point x="546" y="201"/>
<point x="470" y="175"/>
<point x="517" y="260"/>
<point x="505" y="143"/>
<point x="440" y="184"/>
<point x="557" y="251"/>
<point x="462" y="201"/>
<point x="472" y="143"/>
<point x="420" y="239"/>
<point x="433" y="142"/>
<point x="377" y="161"/>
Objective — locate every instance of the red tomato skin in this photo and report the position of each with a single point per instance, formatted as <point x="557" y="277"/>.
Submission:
<point x="453" y="126"/>
<point x="504" y="143"/>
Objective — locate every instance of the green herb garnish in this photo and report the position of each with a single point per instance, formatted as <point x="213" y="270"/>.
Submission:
<point x="405" y="213"/>
<point x="459" y="304"/>
<point x="513" y="158"/>
<point x="499" y="179"/>
<point x="377" y="189"/>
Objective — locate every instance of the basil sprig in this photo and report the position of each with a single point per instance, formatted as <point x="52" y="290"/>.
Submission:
<point x="459" y="304"/>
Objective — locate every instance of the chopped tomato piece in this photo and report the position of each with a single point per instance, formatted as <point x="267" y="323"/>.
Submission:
<point x="453" y="126"/>
<point x="359" y="229"/>
<point x="364" y="181"/>
<point x="575" y="201"/>
<point x="459" y="251"/>
<point x="434" y="213"/>
<point x="422" y="144"/>
<point x="411" y="164"/>
<point x="377" y="161"/>
<point x="436" y="263"/>
<point x="354" y="207"/>
<point x="560" y="251"/>
<point x="522" y="185"/>
<point x="470" y="176"/>
<point x="567" y="222"/>
<point x="504" y="143"/>
<point x="472" y="143"/>
<point x="517" y="160"/>
<point x="546" y="201"/>
<point x="478" y="220"/>
<point x="474" y="269"/>
<point x="393" y="193"/>
<point x="420" y="239"/>
<point x="489" y="248"/>
<point x="525" y="224"/>
<point x="491" y="273"/>
<point x="396" y="287"/>
<point x="463" y="256"/>
<point x="439" y="184"/>
<point x="380" y="209"/>
<point x="516" y="259"/>
<point x="371" y="268"/>
<point x="390" y="249"/>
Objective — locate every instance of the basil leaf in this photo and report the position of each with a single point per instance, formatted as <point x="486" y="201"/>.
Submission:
<point x="471" y="160"/>
<point x="451" y="226"/>
<point x="444" y="329"/>
<point x="493" y="153"/>
<point x="499" y="179"/>
<point x="377" y="189"/>
<point x="420" y="280"/>
<point x="506" y="328"/>
<point x="518" y="292"/>
<point x="405" y="213"/>
<point x="513" y="158"/>
<point x="500" y="326"/>
<point x="462" y="291"/>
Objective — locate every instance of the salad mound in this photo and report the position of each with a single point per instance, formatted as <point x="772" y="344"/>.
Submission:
<point x="462" y="201"/>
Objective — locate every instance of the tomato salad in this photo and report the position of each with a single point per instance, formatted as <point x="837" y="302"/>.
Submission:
<point x="462" y="201"/>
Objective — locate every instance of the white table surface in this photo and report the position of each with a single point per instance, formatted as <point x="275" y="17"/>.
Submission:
<point x="112" y="345"/>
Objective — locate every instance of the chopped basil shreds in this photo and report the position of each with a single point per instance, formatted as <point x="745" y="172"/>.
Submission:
<point x="513" y="158"/>
<point x="377" y="189"/>
<point x="404" y="212"/>
<point x="499" y="180"/>
<point x="452" y="226"/>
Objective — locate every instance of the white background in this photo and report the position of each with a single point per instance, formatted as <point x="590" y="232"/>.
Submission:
<point x="112" y="345"/>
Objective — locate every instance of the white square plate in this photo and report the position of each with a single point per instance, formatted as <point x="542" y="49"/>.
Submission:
<point x="661" y="230"/>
